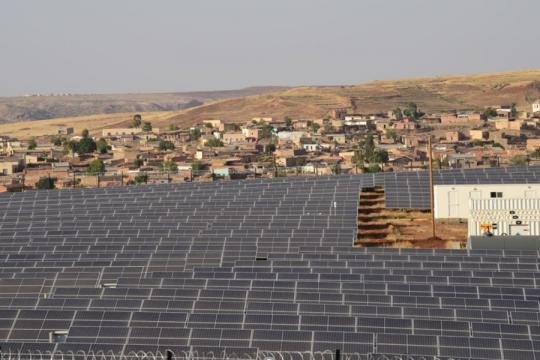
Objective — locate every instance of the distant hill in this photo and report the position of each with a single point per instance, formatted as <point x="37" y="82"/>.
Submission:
<point x="463" y="92"/>
<point x="49" y="107"/>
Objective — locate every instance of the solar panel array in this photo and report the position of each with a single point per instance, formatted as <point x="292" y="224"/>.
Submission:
<point x="411" y="189"/>
<point x="246" y="267"/>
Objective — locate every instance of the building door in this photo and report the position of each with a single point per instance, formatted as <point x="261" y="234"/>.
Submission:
<point x="530" y="194"/>
<point x="453" y="204"/>
<point x="519" y="229"/>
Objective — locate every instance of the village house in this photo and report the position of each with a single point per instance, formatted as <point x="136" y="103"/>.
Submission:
<point x="410" y="141"/>
<point x="533" y="144"/>
<point x="478" y="134"/>
<point x="64" y="130"/>
<point x="536" y="106"/>
<point x="233" y="138"/>
<point x="453" y="136"/>
<point x="251" y="132"/>
<point x="337" y="138"/>
<point x="215" y="124"/>
<point x="114" y="132"/>
<point x="309" y="145"/>
<point x="292" y="136"/>
<point x="301" y="124"/>
<point x="405" y="124"/>
<point x="508" y="124"/>
<point x="11" y="166"/>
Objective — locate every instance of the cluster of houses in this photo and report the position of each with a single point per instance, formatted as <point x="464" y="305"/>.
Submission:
<point x="269" y="147"/>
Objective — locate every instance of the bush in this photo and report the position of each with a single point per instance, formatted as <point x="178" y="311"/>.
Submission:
<point x="197" y="166"/>
<point x="141" y="178"/>
<point x="46" y="183"/>
<point x="147" y="126"/>
<point x="102" y="146"/>
<point x="195" y="134"/>
<point x="170" y="166"/>
<point x="96" y="167"/>
<point x="32" y="144"/>
<point x="137" y="121"/>
<point x="213" y="142"/>
<point x="166" y="145"/>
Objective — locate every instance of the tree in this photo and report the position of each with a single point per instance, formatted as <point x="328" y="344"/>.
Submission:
<point x="372" y="168"/>
<point x="197" y="166"/>
<point x="32" y="144"/>
<point x="147" y="126"/>
<point x="173" y="127"/>
<point x="56" y="141"/>
<point x="266" y="131"/>
<point x="87" y="145"/>
<point x="138" y="162"/>
<point x="315" y="127"/>
<point x="70" y="146"/>
<point x="513" y="111"/>
<point x="288" y="122"/>
<point x="46" y="183"/>
<point x="232" y="127"/>
<point x="85" y="134"/>
<point x="369" y="146"/>
<point x="391" y="134"/>
<point x="336" y="168"/>
<point x="137" y="121"/>
<point x="358" y="159"/>
<point x="170" y="166"/>
<point x="141" y="178"/>
<point x="166" y="145"/>
<point x="380" y="156"/>
<point x="519" y="160"/>
<point x="213" y="142"/>
<point x="270" y="148"/>
<point x="195" y="134"/>
<point x="96" y="167"/>
<point x="489" y="113"/>
<point x="412" y="111"/>
<point x="208" y="125"/>
<point x="536" y="153"/>
<point x="102" y="146"/>
<point x="398" y="113"/>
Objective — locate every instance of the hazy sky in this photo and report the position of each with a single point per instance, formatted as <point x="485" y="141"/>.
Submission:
<point x="109" y="46"/>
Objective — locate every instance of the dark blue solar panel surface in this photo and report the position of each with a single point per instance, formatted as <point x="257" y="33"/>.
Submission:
<point x="252" y="267"/>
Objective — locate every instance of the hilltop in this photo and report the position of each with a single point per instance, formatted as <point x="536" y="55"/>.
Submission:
<point x="436" y="94"/>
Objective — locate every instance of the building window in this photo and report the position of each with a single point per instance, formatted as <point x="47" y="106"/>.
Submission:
<point x="495" y="194"/>
<point x="58" y="336"/>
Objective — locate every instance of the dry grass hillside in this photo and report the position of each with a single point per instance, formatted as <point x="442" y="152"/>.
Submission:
<point x="94" y="123"/>
<point x="431" y="94"/>
<point x="466" y="92"/>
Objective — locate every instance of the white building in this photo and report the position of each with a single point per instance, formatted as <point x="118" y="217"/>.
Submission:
<point x="452" y="201"/>
<point x="536" y="106"/>
<point x="504" y="217"/>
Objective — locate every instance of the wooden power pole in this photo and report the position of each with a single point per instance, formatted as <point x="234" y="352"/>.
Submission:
<point x="431" y="197"/>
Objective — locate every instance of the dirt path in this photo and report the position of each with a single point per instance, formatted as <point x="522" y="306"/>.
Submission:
<point x="378" y="226"/>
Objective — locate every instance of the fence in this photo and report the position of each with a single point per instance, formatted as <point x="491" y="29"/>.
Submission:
<point x="209" y="355"/>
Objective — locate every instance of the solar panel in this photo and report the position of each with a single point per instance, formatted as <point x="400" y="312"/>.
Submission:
<point x="254" y="266"/>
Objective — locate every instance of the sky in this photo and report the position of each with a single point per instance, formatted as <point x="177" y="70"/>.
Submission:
<point x="131" y="46"/>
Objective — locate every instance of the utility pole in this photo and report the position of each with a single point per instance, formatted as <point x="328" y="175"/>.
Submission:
<point x="431" y="199"/>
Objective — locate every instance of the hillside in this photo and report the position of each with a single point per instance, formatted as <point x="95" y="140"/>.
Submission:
<point x="431" y="94"/>
<point x="465" y="92"/>
<point x="23" y="108"/>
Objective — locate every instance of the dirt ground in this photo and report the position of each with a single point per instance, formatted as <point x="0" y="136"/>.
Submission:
<point x="378" y="226"/>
